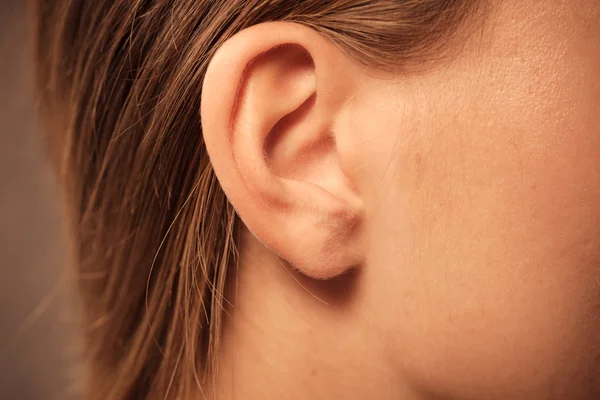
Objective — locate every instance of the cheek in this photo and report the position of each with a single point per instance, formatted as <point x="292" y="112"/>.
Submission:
<point x="492" y="266"/>
<point x="491" y="263"/>
<point x="491" y="269"/>
<point x="485" y="233"/>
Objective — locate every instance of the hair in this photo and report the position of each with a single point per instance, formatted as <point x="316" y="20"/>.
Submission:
<point x="153" y="233"/>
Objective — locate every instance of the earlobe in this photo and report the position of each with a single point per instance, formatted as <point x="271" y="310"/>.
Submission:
<point x="270" y="98"/>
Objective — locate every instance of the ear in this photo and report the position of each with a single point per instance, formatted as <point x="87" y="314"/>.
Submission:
<point x="271" y="100"/>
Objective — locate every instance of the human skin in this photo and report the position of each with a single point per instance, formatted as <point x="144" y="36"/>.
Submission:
<point x="480" y="242"/>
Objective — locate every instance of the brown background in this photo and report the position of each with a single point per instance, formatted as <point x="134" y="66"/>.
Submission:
<point x="37" y="350"/>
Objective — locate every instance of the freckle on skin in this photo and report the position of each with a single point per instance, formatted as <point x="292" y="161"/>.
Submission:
<point x="418" y="159"/>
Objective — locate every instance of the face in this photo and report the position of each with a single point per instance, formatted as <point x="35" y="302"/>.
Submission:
<point x="483" y="179"/>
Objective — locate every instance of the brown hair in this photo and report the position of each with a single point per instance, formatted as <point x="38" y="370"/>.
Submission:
<point x="153" y="232"/>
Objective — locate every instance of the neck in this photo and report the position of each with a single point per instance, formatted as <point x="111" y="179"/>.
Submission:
<point x="293" y="338"/>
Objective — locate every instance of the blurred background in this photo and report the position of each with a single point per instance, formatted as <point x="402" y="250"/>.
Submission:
<point x="37" y="347"/>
